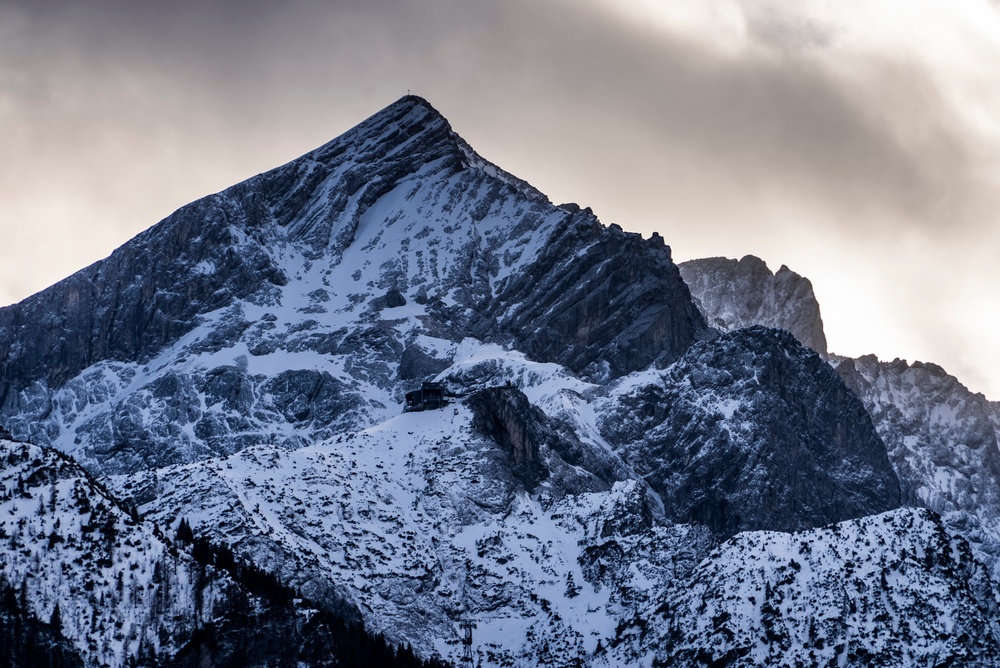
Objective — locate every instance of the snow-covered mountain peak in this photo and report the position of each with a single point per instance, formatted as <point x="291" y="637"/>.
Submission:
<point x="242" y="366"/>
<point x="309" y="298"/>
<point x="411" y="122"/>
<point x="318" y="198"/>
<point x="392" y="127"/>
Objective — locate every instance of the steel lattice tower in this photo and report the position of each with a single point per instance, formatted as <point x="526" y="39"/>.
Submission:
<point x="467" y="625"/>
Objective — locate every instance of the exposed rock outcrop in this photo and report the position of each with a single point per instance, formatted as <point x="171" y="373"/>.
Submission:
<point x="733" y="294"/>
<point x="602" y="302"/>
<point x="506" y="416"/>
<point x="754" y="431"/>
<point x="541" y="448"/>
<point x="936" y="430"/>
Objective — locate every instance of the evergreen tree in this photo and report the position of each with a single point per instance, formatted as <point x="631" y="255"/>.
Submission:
<point x="184" y="533"/>
<point x="56" y="620"/>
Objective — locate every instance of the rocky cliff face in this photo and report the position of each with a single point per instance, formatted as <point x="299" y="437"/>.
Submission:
<point x="752" y="430"/>
<point x="734" y="294"/>
<point x="614" y="305"/>
<point x="541" y="448"/>
<point x="941" y="439"/>
<point x="995" y="415"/>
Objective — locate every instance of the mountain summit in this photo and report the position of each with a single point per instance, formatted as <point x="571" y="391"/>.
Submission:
<point x="740" y="293"/>
<point x="222" y="248"/>
<point x="307" y="299"/>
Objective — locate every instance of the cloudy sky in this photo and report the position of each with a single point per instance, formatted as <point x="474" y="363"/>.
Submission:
<point x="858" y="142"/>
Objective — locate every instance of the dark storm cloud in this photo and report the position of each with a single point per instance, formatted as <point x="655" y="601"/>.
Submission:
<point x="782" y="116"/>
<point x="767" y="120"/>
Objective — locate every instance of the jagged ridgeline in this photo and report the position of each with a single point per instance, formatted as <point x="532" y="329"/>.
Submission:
<point x="585" y="467"/>
<point x="941" y="438"/>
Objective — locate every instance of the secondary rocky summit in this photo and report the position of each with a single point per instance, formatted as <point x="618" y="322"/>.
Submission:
<point x="740" y="293"/>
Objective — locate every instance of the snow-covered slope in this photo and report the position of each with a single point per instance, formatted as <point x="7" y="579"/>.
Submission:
<point x="431" y="517"/>
<point x="889" y="590"/>
<point x="122" y="589"/>
<point x="740" y="293"/>
<point x="422" y="520"/>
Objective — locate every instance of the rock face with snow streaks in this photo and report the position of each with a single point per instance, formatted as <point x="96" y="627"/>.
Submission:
<point x="602" y="302"/>
<point x="753" y="431"/>
<point x="942" y="441"/>
<point x="739" y="293"/>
